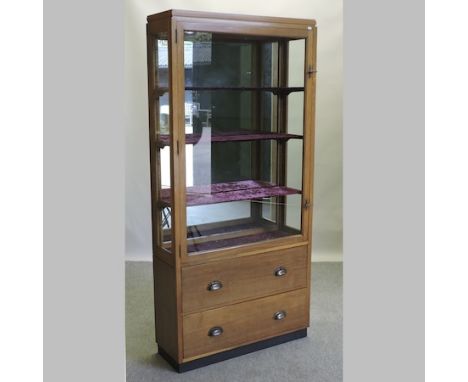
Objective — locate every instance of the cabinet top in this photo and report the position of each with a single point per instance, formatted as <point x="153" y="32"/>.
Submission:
<point x="228" y="16"/>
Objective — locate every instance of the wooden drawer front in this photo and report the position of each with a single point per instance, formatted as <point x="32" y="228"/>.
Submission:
<point x="244" y="323"/>
<point x="243" y="278"/>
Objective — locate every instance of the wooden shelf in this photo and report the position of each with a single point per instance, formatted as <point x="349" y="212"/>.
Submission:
<point x="232" y="136"/>
<point x="229" y="192"/>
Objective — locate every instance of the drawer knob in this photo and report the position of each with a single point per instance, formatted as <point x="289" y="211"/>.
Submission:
<point x="215" y="285"/>
<point x="279" y="315"/>
<point x="280" y="271"/>
<point x="216" y="331"/>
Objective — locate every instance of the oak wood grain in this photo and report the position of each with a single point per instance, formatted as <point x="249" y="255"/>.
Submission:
<point x="245" y="322"/>
<point x="246" y="314"/>
<point x="228" y="16"/>
<point x="165" y="298"/>
<point x="246" y="278"/>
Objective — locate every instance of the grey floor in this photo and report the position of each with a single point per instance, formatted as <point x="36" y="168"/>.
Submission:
<point x="318" y="357"/>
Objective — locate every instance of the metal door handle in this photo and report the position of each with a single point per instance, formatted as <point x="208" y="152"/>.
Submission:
<point x="216" y="331"/>
<point x="215" y="285"/>
<point x="280" y="271"/>
<point x="280" y="315"/>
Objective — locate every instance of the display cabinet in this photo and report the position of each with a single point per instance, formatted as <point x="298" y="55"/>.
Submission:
<point x="231" y="131"/>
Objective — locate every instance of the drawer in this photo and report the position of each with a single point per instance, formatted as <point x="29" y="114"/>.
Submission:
<point x="228" y="281"/>
<point x="235" y="325"/>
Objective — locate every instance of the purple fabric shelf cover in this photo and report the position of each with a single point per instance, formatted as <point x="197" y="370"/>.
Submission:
<point x="236" y="136"/>
<point x="211" y="245"/>
<point x="229" y="192"/>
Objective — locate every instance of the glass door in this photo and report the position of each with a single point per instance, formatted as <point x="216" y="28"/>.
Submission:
<point x="244" y="111"/>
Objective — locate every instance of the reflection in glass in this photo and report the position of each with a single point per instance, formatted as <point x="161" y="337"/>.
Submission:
<point x="243" y="161"/>
<point x="161" y="118"/>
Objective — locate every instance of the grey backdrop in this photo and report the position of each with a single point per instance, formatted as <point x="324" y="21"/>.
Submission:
<point x="84" y="191"/>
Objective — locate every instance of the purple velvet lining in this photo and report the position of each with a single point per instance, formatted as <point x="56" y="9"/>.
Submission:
<point x="211" y="245"/>
<point x="233" y="136"/>
<point x="230" y="192"/>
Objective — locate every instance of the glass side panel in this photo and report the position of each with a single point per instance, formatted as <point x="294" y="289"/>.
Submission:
<point x="161" y="60"/>
<point x="243" y="161"/>
<point x="162" y="130"/>
<point x="294" y="155"/>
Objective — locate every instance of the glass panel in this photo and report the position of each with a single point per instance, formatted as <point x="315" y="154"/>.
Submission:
<point x="238" y="141"/>
<point x="161" y="114"/>
<point x="220" y="60"/>
<point x="296" y="62"/>
<point x="161" y="60"/>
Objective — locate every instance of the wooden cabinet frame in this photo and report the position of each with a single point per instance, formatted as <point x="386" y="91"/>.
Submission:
<point x="168" y="266"/>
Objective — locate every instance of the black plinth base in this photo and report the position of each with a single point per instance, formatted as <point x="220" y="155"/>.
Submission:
<point x="218" y="357"/>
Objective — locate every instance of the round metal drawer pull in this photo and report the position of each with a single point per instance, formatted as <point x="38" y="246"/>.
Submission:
<point x="279" y="315"/>
<point x="216" y="331"/>
<point x="215" y="285"/>
<point x="280" y="271"/>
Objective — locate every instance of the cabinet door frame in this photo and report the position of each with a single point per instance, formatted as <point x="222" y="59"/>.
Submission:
<point x="179" y="25"/>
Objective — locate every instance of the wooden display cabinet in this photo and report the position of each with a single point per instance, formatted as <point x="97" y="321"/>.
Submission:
<point x="231" y="120"/>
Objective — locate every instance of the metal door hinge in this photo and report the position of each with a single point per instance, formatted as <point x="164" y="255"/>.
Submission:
<point x="310" y="71"/>
<point x="306" y="204"/>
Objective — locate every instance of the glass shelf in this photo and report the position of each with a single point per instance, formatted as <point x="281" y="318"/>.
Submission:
<point x="229" y="192"/>
<point x="233" y="136"/>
